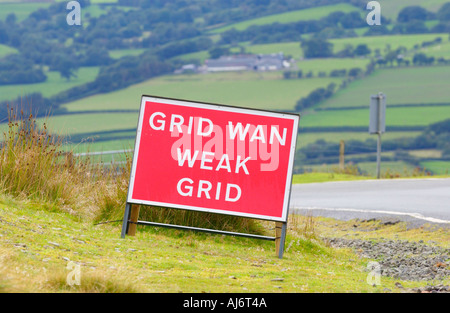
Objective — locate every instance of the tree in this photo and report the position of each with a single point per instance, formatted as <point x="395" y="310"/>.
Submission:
<point x="317" y="48"/>
<point x="217" y="52"/>
<point x="413" y="13"/>
<point x="362" y="50"/>
<point x="444" y="12"/>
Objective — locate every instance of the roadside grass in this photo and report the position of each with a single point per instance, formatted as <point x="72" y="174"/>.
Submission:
<point x="37" y="245"/>
<point x="437" y="167"/>
<point x="318" y="177"/>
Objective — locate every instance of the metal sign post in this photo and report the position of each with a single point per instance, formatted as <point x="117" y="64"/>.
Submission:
<point x="377" y="123"/>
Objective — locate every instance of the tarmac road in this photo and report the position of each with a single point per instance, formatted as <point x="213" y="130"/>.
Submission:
<point x="418" y="201"/>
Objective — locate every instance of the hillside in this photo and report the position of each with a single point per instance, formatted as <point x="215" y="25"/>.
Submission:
<point x="94" y="93"/>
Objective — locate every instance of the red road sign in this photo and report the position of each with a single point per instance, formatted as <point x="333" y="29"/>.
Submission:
<point x="213" y="158"/>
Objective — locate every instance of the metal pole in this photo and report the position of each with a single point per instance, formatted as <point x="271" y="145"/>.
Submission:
<point x="126" y="217"/>
<point x="379" y="156"/>
<point x="380" y="96"/>
<point x="282" y="240"/>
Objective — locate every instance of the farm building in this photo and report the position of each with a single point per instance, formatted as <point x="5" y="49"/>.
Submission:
<point x="247" y="62"/>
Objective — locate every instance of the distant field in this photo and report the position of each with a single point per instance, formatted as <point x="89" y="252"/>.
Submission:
<point x="368" y="168"/>
<point x="289" y="17"/>
<point x="391" y="8"/>
<point x="5" y="50"/>
<point x="438" y="51"/>
<point x="403" y="116"/>
<point x="87" y="123"/>
<point x="380" y="42"/>
<point x="373" y="42"/>
<point x="52" y="86"/>
<point x="248" y="89"/>
<point x="437" y="167"/>
<point x="20" y="9"/>
<point x="400" y="85"/>
<point x="327" y="65"/>
<point x="307" y="138"/>
<point x="117" y="54"/>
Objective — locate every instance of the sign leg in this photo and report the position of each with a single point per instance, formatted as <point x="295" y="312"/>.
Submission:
<point x="133" y="220"/>
<point x="126" y="217"/>
<point x="280" y="238"/>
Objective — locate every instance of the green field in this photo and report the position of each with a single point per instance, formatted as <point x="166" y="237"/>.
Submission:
<point x="374" y="42"/>
<point x="391" y="8"/>
<point x="305" y="139"/>
<point x="20" y="9"/>
<point x="381" y="42"/>
<point x="327" y="65"/>
<point x="117" y="54"/>
<point x="437" y="167"/>
<point x="248" y="89"/>
<point x="290" y="17"/>
<point x="413" y="85"/>
<point x="51" y="87"/>
<point x="5" y="50"/>
<point x="87" y="123"/>
<point x="438" y="51"/>
<point x="397" y="116"/>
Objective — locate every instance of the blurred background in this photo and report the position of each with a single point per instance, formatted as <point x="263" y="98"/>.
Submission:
<point x="320" y="58"/>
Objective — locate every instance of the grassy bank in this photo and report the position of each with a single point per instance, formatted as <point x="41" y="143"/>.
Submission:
<point x="37" y="245"/>
<point x="58" y="213"/>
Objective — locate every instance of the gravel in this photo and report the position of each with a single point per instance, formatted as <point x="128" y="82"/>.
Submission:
<point x="402" y="259"/>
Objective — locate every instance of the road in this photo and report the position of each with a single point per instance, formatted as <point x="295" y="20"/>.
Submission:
<point x="414" y="200"/>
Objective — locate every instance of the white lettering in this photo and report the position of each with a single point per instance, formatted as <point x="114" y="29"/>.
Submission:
<point x="202" y="189"/>
<point x="259" y="130"/>
<point x="274" y="131"/>
<point x="204" y="160"/>
<point x="242" y="132"/>
<point x="240" y="164"/>
<point x="200" y="127"/>
<point x="175" y="123"/>
<point x="188" y="188"/>
<point x="162" y="123"/>
<point x="238" y="194"/>
<point x="187" y="156"/>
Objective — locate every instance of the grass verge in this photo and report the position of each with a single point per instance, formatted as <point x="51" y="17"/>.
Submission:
<point x="37" y="246"/>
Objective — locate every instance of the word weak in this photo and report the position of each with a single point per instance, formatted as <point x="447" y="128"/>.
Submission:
<point x="185" y="186"/>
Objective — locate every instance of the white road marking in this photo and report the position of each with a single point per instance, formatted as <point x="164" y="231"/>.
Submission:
<point x="415" y="215"/>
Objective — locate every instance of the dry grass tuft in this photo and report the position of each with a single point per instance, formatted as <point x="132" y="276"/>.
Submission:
<point x="34" y="166"/>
